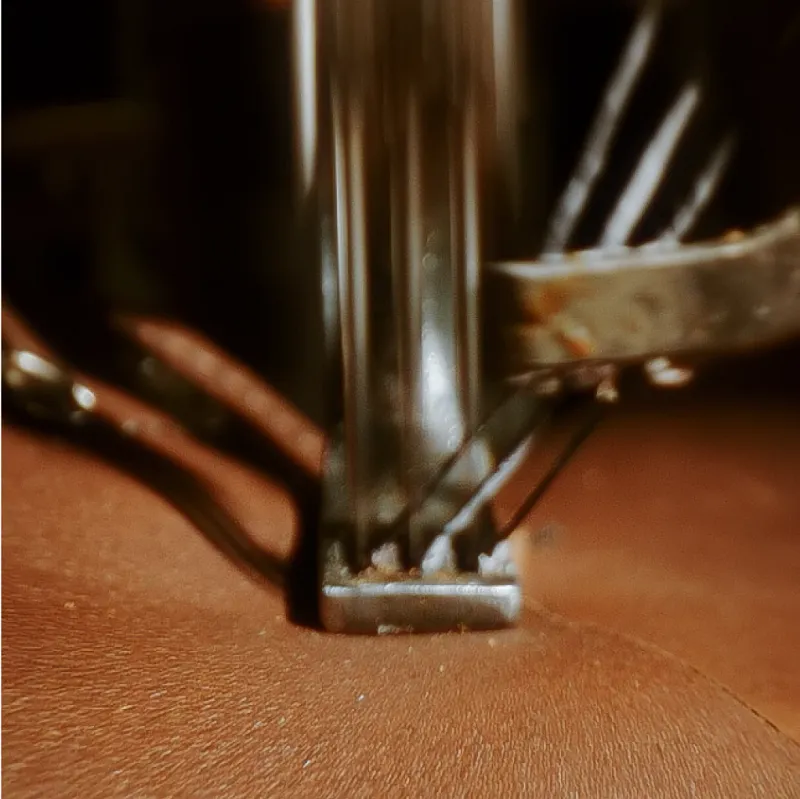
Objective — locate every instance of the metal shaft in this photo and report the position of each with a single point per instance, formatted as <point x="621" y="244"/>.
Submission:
<point x="420" y="97"/>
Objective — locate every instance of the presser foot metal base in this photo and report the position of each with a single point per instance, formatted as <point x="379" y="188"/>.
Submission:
<point x="464" y="580"/>
<point x="379" y="603"/>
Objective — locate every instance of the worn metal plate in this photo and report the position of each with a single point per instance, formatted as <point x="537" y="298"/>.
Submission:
<point x="737" y="293"/>
<point x="373" y="603"/>
<point x="465" y="581"/>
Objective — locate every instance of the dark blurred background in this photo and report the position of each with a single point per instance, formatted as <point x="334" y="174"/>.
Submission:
<point x="147" y="157"/>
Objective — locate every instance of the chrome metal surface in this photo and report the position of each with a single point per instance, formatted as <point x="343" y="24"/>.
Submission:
<point x="414" y="108"/>
<point x="387" y="606"/>
<point x="440" y="594"/>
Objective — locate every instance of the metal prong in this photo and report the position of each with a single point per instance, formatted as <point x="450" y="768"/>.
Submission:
<point x="650" y="170"/>
<point x="612" y="107"/>
<point x="490" y="487"/>
<point x="702" y="193"/>
<point x="440" y="557"/>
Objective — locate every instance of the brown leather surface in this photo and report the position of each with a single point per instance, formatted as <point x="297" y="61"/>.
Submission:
<point x="680" y="525"/>
<point x="139" y="661"/>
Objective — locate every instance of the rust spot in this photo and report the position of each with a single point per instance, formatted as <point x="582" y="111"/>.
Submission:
<point x="577" y="342"/>
<point x="548" y="300"/>
<point x="578" y="347"/>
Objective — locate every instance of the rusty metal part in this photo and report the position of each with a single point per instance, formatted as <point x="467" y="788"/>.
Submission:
<point x="583" y="309"/>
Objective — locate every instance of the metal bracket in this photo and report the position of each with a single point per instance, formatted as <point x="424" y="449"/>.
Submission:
<point x="565" y="313"/>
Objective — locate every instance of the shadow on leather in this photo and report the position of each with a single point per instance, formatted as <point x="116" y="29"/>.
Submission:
<point x="185" y="492"/>
<point x="231" y="435"/>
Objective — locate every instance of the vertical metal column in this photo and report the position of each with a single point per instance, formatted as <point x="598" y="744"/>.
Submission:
<point x="411" y="133"/>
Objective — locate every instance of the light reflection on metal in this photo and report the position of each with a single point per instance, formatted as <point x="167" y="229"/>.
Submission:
<point x="650" y="171"/>
<point x="702" y="193"/>
<point x="424" y="81"/>
<point x="304" y="46"/>
<point x="596" y="150"/>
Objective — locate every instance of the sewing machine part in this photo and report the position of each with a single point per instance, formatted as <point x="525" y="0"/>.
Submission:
<point x="396" y="143"/>
<point x="466" y="577"/>
<point x="44" y="389"/>
<point x="408" y="132"/>
<point x="652" y="305"/>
